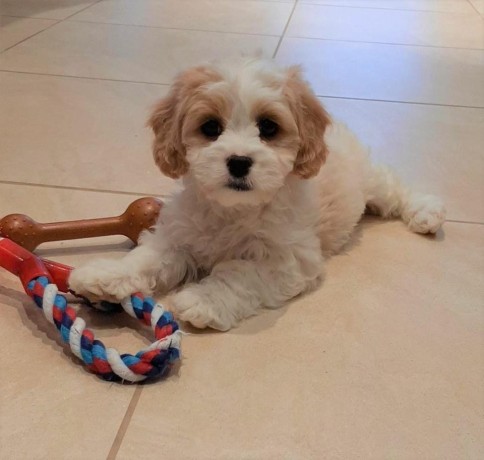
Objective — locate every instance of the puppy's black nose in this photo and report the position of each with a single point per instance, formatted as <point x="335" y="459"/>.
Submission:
<point x="239" y="166"/>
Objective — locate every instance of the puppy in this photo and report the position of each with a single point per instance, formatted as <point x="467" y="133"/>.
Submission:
<point x="271" y="187"/>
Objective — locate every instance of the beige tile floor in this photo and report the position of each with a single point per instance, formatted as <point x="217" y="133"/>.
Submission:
<point x="385" y="361"/>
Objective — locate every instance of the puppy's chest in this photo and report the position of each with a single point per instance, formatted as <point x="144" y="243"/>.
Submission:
<point x="211" y="237"/>
<point x="228" y="243"/>
<point x="214" y="241"/>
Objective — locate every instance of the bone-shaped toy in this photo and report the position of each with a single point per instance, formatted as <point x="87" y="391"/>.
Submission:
<point x="140" y="215"/>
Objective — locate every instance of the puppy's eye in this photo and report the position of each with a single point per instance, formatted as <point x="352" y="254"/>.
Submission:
<point x="211" y="128"/>
<point x="267" y="128"/>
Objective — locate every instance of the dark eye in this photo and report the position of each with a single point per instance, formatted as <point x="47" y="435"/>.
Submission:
<point x="211" y="128"/>
<point x="267" y="128"/>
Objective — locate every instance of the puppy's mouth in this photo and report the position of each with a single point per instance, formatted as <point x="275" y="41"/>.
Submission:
<point x="239" y="185"/>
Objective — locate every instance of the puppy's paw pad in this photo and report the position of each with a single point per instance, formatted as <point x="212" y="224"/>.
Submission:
<point x="426" y="214"/>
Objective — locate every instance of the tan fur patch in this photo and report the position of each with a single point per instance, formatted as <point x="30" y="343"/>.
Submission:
<point x="168" y="117"/>
<point x="311" y="119"/>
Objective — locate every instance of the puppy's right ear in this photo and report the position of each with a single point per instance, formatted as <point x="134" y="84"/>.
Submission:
<point x="168" y="150"/>
<point x="168" y="117"/>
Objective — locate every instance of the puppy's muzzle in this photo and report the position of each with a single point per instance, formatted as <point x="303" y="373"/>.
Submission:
<point x="239" y="166"/>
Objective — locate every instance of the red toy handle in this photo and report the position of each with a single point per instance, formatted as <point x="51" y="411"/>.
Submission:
<point x="59" y="273"/>
<point x="27" y="266"/>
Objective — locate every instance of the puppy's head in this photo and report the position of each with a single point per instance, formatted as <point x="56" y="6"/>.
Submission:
<point x="239" y="130"/>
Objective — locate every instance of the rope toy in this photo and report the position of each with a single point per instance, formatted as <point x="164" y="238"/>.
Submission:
<point x="43" y="280"/>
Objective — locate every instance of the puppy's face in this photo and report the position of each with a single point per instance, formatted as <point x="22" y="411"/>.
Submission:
<point x="239" y="131"/>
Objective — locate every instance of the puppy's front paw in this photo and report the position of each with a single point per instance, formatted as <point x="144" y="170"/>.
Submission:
<point x="105" y="279"/>
<point x="191" y="306"/>
<point x="425" y="214"/>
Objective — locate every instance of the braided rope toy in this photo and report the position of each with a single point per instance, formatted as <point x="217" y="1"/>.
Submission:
<point x="43" y="280"/>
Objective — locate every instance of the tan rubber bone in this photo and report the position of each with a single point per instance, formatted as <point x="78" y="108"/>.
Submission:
<point x="23" y="230"/>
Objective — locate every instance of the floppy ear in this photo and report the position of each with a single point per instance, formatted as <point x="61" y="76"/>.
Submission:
<point x="168" y="150"/>
<point x="168" y="116"/>
<point x="311" y="120"/>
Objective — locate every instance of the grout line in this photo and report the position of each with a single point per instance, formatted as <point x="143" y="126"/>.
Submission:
<point x="33" y="35"/>
<point x="123" y="427"/>
<point x="281" y="37"/>
<point x="58" y="21"/>
<point x="386" y="9"/>
<point x="23" y="72"/>
<point x="351" y="98"/>
<point x="83" y="9"/>
<point x="413" y="45"/>
<point x="67" y="19"/>
<point x="81" y="189"/>
<point x="284" y="31"/>
<point x="474" y="8"/>
<point x="455" y="221"/>
<point x="432" y="104"/>
<point x="80" y="21"/>
<point x="28" y="17"/>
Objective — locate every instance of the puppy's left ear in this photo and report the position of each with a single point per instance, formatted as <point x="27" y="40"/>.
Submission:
<point x="311" y="120"/>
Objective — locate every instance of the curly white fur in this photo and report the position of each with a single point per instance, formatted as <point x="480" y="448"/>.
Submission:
<point x="220" y="254"/>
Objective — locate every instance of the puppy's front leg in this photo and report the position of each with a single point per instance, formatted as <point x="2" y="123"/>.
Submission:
<point x="145" y="269"/>
<point x="237" y="289"/>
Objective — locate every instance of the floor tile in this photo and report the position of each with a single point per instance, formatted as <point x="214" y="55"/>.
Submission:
<point x="389" y="72"/>
<point x="449" y="6"/>
<point x="434" y="149"/>
<point x="81" y="133"/>
<point x="47" y="396"/>
<point x="387" y="26"/>
<point x="125" y="52"/>
<point x="41" y="384"/>
<point x="49" y="9"/>
<point x="266" y="18"/>
<point x="385" y="360"/>
<point x="14" y="30"/>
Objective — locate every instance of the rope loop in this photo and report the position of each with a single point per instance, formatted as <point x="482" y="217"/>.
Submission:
<point x="149" y="363"/>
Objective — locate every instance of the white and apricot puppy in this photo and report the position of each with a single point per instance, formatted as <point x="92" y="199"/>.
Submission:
<point x="270" y="186"/>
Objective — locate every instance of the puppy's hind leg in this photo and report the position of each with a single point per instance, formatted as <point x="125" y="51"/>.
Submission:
<point x="387" y="197"/>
